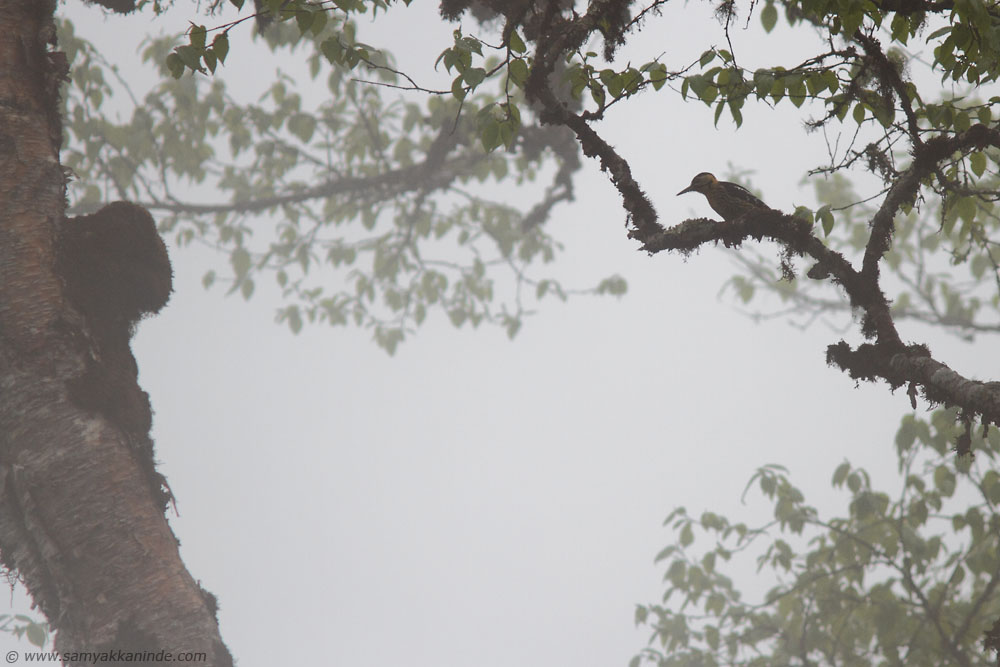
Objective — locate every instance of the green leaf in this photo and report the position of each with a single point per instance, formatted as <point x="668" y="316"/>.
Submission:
<point x="804" y="213"/>
<point x="859" y="113"/>
<point x="304" y="20"/>
<point x="668" y="550"/>
<point x="961" y="121"/>
<point x="240" y="260"/>
<point x="517" y="70"/>
<point x="967" y="208"/>
<point x="470" y="44"/>
<point x="826" y="219"/>
<point x="658" y="75"/>
<point x="917" y="513"/>
<point x="190" y="55"/>
<point x="489" y="133"/>
<point x="615" y="285"/>
<point x="851" y="20"/>
<point x="458" y="88"/>
<point x="515" y="43"/>
<point x="302" y="125"/>
<point x="513" y="325"/>
<point x="797" y="93"/>
<point x="196" y="36"/>
<point x="940" y="32"/>
<point x="814" y="83"/>
<point x="831" y="81"/>
<point x="709" y="94"/>
<point x="944" y="481"/>
<point x="294" y="319"/>
<point x="991" y="485"/>
<point x="900" y="28"/>
<point x="778" y="89"/>
<point x="840" y="106"/>
<point x="907" y="433"/>
<point x="507" y="132"/>
<point x="763" y="81"/>
<point x="631" y="78"/>
<point x="698" y="83"/>
<point x="676" y="572"/>
<point x="977" y="161"/>
<point x="767" y="485"/>
<point x="474" y="76"/>
<point x="334" y="50"/>
<point x="950" y="215"/>
<point x="840" y="474"/>
<point x="175" y="65"/>
<point x="210" y="60"/>
<point x="854" y="482"/>
<point x="597" y="93"/>
<point x="769" y="17"/>
<point x="612" y="82"/>
<point x="737" y="114"/>
<point x="712" y="637"/>
<point x="318" y="23"/>
<point x="220" y="45"/>
<point x="36" y="634"/>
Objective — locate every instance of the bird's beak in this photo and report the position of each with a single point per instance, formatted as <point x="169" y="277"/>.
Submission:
<point x="689" y="188"/>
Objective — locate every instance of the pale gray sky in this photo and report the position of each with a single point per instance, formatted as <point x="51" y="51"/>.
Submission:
<point x="474" y="501"/>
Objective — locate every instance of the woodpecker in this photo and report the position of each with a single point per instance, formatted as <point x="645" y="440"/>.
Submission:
<point x="727" y="199"/>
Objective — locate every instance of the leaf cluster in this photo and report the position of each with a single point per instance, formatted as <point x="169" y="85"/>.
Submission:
<point x="25" y="627"/>
<point x="375" y="210"/>
<point x="903" y="578"/>
<point x="385" y="209"/>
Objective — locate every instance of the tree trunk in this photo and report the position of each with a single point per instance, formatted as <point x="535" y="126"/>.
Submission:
<point x="79" y="522"/>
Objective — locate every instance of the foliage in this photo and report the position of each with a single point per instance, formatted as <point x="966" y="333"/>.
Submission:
<point x="364" y="208"/>
<point x="405" y="175"/>
<point x="24" y="627"/>
<point x="942" y="267"/>
<point x="382" y="141"/>
<point x="902" y="578"/>
<point x="375" y="195"/>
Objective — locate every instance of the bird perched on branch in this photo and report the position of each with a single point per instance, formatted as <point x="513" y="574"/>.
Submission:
<point x="727" y="199"/>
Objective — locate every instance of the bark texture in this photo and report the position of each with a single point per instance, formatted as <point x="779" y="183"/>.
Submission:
<point x="78" y="522"/>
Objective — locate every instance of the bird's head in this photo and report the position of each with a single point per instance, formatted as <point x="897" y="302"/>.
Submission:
<point x="700" y="183"/>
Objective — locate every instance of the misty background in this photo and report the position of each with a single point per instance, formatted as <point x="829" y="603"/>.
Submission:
<point x="475" y="500"/>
